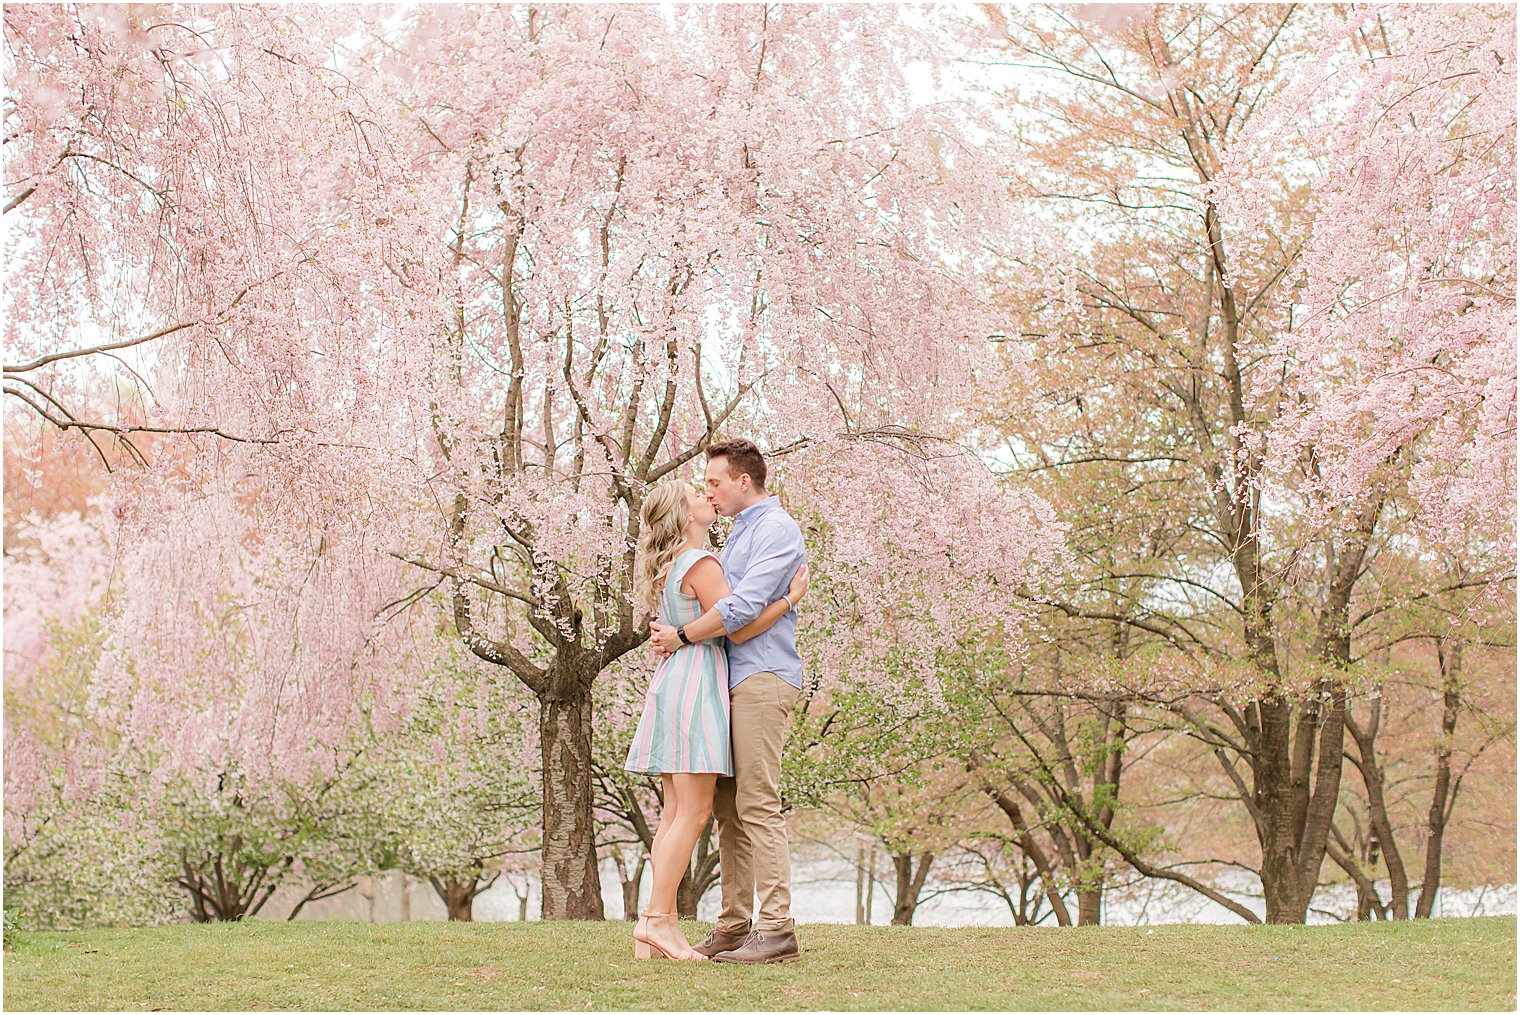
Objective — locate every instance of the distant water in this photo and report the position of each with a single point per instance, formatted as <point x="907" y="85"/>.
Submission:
<point x="823" y="891"/>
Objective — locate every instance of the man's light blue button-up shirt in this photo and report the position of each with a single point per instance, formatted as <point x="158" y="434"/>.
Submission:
<point x="762" y="554"/>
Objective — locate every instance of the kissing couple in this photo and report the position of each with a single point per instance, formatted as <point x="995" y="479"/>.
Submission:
<point x="720" y="704"/>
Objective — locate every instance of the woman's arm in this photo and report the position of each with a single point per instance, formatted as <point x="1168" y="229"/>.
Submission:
<point x="706" y="582"/>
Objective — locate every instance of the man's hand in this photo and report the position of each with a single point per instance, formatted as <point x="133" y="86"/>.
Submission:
<point x="663" y="639"/>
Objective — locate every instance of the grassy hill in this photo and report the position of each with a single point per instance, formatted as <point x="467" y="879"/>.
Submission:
<point x="1453" y="964"/>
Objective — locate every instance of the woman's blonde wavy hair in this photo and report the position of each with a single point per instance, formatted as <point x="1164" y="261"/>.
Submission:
<point x="664" y="518"/>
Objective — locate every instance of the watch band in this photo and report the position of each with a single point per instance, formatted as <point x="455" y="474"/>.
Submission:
<point x="681" y="633"/>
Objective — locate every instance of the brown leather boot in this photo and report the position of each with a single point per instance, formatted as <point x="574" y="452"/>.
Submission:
<point x="764" y="946"/>
<point x="721" y="941"/>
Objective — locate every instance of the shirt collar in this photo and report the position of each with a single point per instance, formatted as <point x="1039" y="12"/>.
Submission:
<point x="755" y="510"/>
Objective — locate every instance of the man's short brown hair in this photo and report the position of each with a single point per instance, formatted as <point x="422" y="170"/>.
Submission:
<point x="743" y="459"/>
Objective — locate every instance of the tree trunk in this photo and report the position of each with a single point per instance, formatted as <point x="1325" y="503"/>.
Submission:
<point x="631" y="890"/>
<point x="1450" y="654"/>
<point x="1382" y="835"/>
<point x="572" y="888"/>
<point x="686" y="897"/>
<point x="1292" y="801"/>
<point x="522" y="902"/>
<point x="910" y="882"/>
<point x="1088" y="873"/>
<point x="1280" y="882"/>
<point x="222" y="890"/>
<point x="1106" y="777"/>
<point x="1089" y="907"/>
<point x="1029" y="903"/>
<point x="1032" y="850"/>
<point x="1298" y="770"/>
<point x="458" y="897"/>
<point x="870" y="884"/>
<point x="860" y="885"/>
<point x="1293" y="813"/>
<point x="1368" y="904"/>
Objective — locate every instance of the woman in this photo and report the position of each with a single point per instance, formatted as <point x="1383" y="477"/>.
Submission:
<point x="683" y="732"/>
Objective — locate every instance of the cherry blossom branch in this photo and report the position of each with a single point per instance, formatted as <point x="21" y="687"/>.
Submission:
<point x="18" y="199"/>
<point x="402" y="603"/>
<point x="608" y="444"/>
<point x="702" y="445"/>
<point x="1373" y="611"/>
<point x="1116" y="459"/>
<point x="1222" y="597"/>
<point x="123" y="430"/>
<point x="125" y="442"/>
<point x="662" y="424"/>
<point x="42" y="361"/>
<point x="156" y="192"/>
<point x="221" y="316"/>
<point x="482" y="583"/>
<point x="492" y="651"/>
<point x="1072" y="610"/>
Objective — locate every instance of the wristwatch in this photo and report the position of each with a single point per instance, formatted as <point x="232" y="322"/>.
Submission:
<point x="681" y="633"/>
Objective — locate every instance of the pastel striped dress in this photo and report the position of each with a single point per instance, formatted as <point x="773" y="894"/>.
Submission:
<point x="684" y="726"/>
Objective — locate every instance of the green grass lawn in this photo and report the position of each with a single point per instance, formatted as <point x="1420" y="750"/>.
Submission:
<point x="1449" y="964"/>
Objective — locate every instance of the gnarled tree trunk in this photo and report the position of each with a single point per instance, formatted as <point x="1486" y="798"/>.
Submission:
<point x="1297" y="797"/>
<point x="1298" y="770"/>
<point x="572" y="888"/>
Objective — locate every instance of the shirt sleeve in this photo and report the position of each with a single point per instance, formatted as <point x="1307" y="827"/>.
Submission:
<point x="778" y="553"/>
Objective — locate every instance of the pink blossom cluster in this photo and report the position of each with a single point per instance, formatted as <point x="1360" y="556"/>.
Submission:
<point x="1396" y="357"/>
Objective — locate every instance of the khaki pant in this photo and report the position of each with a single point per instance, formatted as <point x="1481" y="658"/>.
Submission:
<point x="753" y="853"/>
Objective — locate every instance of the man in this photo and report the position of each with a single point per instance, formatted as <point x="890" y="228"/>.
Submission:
<point x="762" y="553"/>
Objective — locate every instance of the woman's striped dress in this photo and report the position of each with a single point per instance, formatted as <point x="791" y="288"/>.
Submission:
<point x="684" y="727"/>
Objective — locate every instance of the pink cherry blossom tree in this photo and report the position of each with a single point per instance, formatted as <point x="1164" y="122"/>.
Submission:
<point x="655" y="228"/>
<point x="1395" y="354"/>
<point x="1390" y="383"/>
<point x="523" y="295"/>
<point x="1238" y="324"/>
<point x="242" y="695"/>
